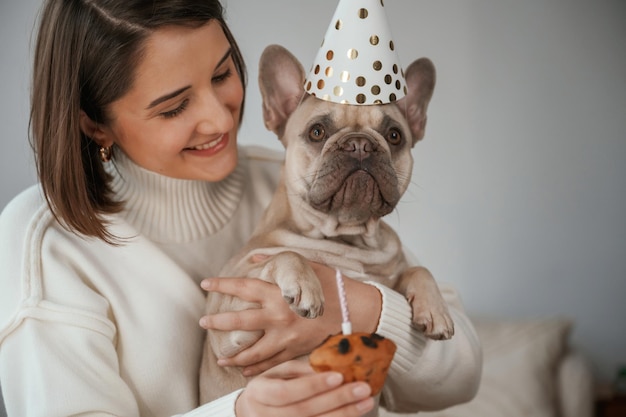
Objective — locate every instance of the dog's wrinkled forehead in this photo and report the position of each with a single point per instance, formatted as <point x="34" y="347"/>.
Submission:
<point x="340" y="117"/>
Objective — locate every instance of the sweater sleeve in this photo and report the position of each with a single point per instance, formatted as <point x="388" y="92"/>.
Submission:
<point x="67" y="349"/>
<point x="61" y="369"/>
<point x="60" y="387"/>
<point x="222" y="407"/>
<point x="426" y="374"/>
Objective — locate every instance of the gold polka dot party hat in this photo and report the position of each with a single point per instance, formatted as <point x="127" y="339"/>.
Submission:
<point x="357" y="62"/>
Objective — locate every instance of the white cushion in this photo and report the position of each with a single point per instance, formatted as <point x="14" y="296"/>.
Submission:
<point x="575" y="385"/>
<point x="520" y="365"/>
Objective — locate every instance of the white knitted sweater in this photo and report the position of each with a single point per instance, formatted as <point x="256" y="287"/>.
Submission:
<point x="88" y="328"/>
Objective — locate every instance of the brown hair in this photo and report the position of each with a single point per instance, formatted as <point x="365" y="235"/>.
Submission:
<point x="85" y="57"/>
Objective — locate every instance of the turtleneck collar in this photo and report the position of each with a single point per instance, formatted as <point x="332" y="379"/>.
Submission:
<point x="171" y="210"/>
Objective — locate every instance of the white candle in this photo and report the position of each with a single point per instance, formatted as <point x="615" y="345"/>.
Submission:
<point x="346" y="326"/>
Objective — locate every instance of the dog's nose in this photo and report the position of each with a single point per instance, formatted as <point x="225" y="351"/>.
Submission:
<point x="359" y="146"/>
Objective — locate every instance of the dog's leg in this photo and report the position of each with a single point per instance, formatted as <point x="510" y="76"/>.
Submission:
<point x="217" y="381"/>
<point x="297" y="281"/>
<point x="430" y="312"/>
<point x="299" y="285"/>
<point x="228" y="343"/>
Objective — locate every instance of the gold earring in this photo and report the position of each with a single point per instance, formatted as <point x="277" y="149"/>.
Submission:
<point x="105" y="153"/>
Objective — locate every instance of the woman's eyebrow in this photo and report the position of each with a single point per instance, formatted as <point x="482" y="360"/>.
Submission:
<point x="167" y="97"/>
<point x="173" y="94"/>
<point x="225" y="57"/>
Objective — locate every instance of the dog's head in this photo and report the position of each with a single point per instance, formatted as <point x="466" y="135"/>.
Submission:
<point x="352" y="162"/>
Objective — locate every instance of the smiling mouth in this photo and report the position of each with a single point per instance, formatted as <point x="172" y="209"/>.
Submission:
<point x="208" y="145"/>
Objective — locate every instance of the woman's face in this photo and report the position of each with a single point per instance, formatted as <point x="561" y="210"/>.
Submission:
<point x="181" y="116"/>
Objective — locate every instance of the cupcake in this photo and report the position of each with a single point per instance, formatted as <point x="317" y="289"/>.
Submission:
<point x="358" y="356"/>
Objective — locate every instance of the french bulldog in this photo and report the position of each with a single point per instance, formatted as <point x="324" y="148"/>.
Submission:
<point x="346" y="166"/>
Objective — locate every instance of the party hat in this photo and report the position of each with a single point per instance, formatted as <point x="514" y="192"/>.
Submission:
<point x="357" y="62"/>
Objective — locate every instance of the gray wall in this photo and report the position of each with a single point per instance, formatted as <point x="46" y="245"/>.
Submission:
<point x="519" y="190"/>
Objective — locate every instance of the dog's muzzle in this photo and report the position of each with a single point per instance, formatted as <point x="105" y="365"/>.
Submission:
<point x="356" y="180"/>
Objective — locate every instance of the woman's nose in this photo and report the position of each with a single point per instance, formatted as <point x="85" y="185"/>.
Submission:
<point x="216" y="117"/>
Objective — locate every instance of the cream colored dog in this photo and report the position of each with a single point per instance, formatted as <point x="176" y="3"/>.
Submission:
<point x="346" y="166"/>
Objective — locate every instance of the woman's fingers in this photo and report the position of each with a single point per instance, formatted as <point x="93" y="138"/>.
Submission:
<point x="338" y="401"/>
<point x="271" y="388"/>
<point x="292" y="369"/>
<point x="356" y="409"/>
<point x="292" y="388"/>
<point x="250" y="289"/>
<point x="259" y="357"/>
<point x="262" y="366"/>
<point x="249" y="320"/>
<point x="351" y="400"/>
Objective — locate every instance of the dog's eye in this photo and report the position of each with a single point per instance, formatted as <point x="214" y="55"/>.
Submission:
<point x="317" y="133"/>
<point x="394" y="137"/>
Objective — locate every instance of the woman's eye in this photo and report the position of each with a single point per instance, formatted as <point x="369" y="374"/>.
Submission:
<point x="223" y="76"/>
<point x="394" y="137"/>
<point x="178" y="110"/>
<point x="317" y="133"/>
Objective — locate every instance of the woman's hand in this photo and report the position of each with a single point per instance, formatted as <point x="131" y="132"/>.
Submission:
<point x="294" y="389"/>
<point x="287" y="335"/>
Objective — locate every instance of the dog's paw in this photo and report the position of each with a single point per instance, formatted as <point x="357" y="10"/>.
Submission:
<point x="433" y="319"/>
<point x="305" y="297"/>
<point x="430" y="310"/>
<point x="235" y="341"/>
<point x="298" y="283"/>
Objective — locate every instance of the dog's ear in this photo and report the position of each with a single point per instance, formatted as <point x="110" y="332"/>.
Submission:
<point x="281" y="81"/>
<point x="420" y="79"/>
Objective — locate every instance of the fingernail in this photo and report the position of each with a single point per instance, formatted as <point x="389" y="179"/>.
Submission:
<point x="203" y="322"/>
<point x="334" y="379"/>
<point x="259" y="257"/>
<point x="362" y="390"/>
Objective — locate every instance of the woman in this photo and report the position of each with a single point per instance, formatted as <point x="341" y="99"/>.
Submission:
<point x="143" y="193"/>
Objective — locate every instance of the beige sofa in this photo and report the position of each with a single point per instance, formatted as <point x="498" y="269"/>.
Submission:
<point x="529" y="370"/>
